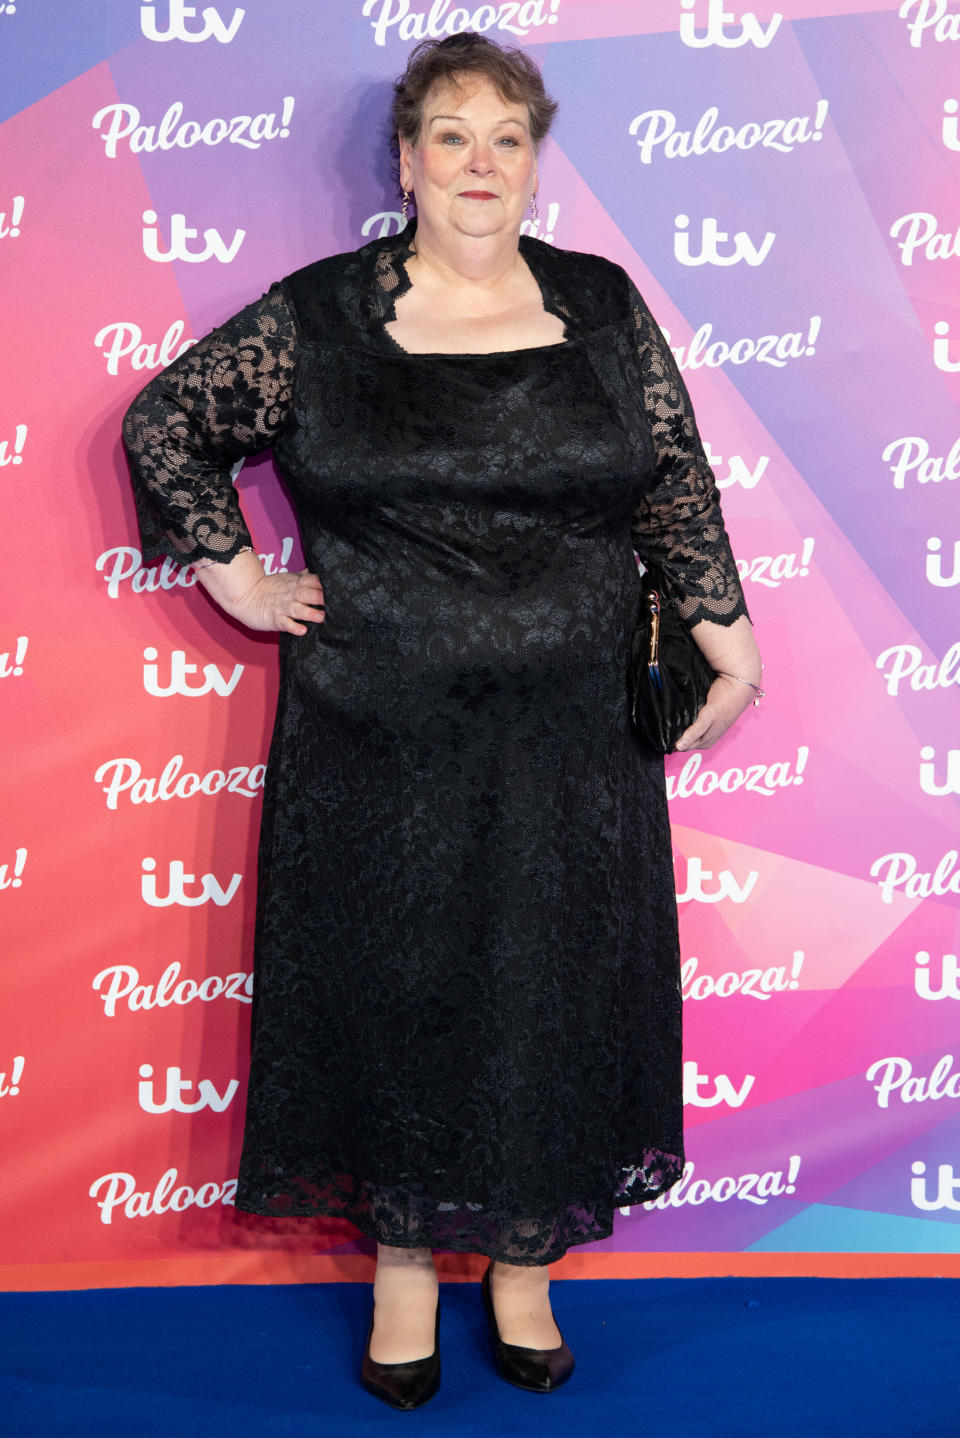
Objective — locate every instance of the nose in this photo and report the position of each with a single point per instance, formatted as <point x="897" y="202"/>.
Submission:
<point x="481" y="161"/>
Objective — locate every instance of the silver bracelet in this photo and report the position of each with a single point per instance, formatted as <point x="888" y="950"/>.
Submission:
<point x="758" y="692"/>
<point x="202" y="564"/>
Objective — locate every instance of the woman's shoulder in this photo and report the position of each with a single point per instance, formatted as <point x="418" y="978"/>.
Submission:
<point x="327" y="269"/>
<point x="328" y="288"/>
<point x="596" y="288"/>
<point x="577" y="261"/>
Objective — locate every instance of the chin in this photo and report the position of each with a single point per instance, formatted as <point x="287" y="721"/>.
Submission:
<point x="479" y="224"/>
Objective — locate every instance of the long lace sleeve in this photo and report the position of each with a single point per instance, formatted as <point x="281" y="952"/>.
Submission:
<point x="225" y="398"/>
<point x="679" y="524"/>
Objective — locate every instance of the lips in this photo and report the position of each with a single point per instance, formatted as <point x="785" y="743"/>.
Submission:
<point x="477" y="195"/>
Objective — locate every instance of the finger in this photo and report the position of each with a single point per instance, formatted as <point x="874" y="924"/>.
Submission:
<point x="309" y="596"/>
<point x="307" y="584"/>
<point x="290" y="626"/>
<point x="691" y="738"/>
<point x="303" y="612"/>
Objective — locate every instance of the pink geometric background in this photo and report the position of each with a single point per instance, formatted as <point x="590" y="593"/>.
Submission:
<point x="816" y="845"/>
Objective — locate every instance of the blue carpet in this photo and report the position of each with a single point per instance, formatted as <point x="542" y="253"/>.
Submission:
<point x="721" y="1358"/>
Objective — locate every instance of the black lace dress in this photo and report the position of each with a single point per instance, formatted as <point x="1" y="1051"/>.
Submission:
<point x="467" y="1015"/>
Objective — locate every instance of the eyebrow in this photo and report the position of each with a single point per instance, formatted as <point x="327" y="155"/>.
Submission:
<point x="462" y="121"/>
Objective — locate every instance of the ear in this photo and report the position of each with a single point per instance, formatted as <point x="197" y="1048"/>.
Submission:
<point x="406" y="171"/>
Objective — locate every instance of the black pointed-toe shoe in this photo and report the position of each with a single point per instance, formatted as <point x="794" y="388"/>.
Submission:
<point x="540" y="1370"/>
<point x="403" y="1385"/>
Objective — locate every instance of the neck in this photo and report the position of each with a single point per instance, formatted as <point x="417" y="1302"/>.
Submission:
<point x="457" y="260"/>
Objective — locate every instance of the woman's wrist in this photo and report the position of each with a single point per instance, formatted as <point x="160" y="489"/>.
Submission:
<point x="229" y="584"/>
<point x="758" y="692"/>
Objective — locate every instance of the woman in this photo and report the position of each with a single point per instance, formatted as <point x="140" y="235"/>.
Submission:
<point x="466" y="1028"/>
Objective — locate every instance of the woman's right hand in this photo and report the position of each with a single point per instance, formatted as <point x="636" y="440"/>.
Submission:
<point x="287" y="602"/>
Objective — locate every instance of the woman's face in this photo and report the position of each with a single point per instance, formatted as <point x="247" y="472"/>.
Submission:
<point x="473" y="167"/>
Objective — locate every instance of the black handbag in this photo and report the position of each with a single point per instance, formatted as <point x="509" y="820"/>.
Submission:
<point x="668" y="676"/>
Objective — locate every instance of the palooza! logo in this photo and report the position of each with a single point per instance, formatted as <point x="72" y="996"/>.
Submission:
<point x="934" y="564"/>
<point x="119" y="1190"/>
<point x="899" y="871"/>
<point x="930" y="15"/>
<point x="727" y="887"/>
<point x="213" y="681"/>
<point x="770" y="981"/>
<point x="922" y="233"/>
<point x="12" y="229"/>
<point x="20" y="439"/>
<point x="174" y="133"/>
<point x="913" y="453"/>
<point x="177" y="28"/>
<point x="214" y="245"/>
<point x="896" y="1076"/>
<point x="904" y="660"/>
<point x="127" y="564"/>
<point x="514" y="18"/>
<point x="928" y="772"/>
<point x="15" y="880"/>
<point x="11" y="1089"/>
<point x="123" y="982"/>
<point x="124" y="562"/>
<point x="763" y="779"/>
<point x="773" y="569"/>
<point x="390" y="222"/>
<point x="179" y="881"/>
<point x="756" y="1188"/>
<point x="949" y="977"/>
<point x="659" y="127"/>
<point x="121" y="338"/>
<point x="948" y="1187"/>
<point x="768" y="349"/>
<point x="11" y="666"/>
<point x="123" y="776"/>
<point x="950" y="129"/>
<point x="173" y="1100"/>
<point x="381" y="224"/>
<point x="711" y="238"/>
<point x="751" y="31"/>
<point x="723" y="1088"/>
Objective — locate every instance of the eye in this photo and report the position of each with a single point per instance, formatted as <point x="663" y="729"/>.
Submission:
<point x="446" y="139"/>
<point x="510" y="140"/>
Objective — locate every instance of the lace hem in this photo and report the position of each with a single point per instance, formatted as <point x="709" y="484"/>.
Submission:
<point x="406" y="1217"/>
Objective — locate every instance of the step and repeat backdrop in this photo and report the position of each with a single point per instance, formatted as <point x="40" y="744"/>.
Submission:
<point x="782" y="184"/>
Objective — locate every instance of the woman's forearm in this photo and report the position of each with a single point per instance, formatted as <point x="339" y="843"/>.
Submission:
<point x="230" y="584"/>
<point x="730" y="649"/>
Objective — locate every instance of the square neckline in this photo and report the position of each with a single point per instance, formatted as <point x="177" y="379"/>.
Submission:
<point x="406" y="237"/>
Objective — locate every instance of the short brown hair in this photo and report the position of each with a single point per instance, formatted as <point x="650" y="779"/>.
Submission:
<point x="512" y="73"/>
